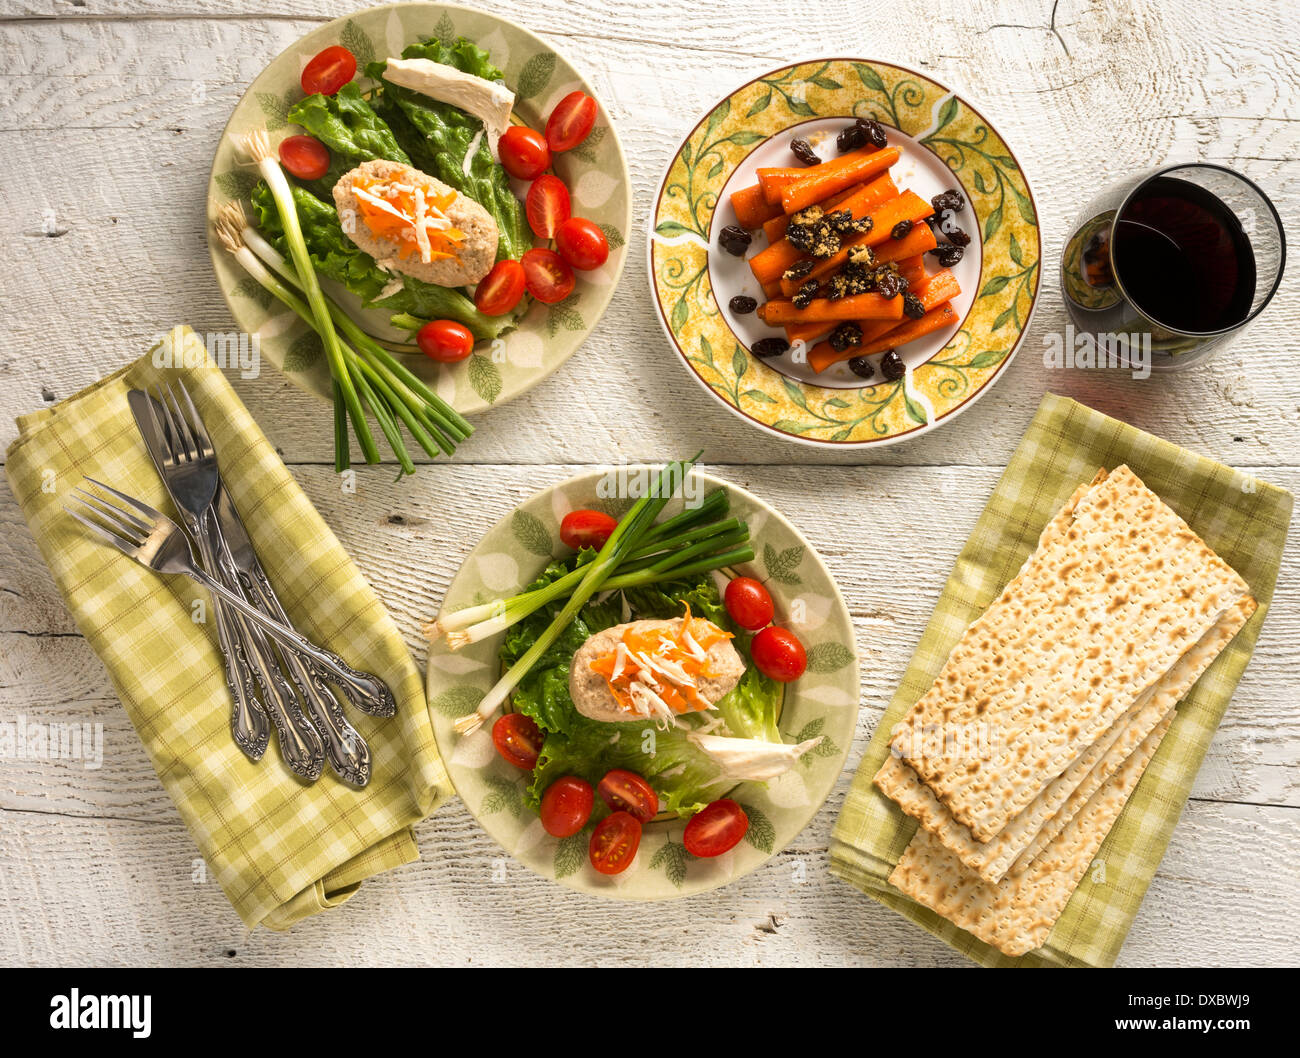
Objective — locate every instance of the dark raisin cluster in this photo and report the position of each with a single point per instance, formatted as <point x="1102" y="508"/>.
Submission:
<point x="846" y="336"/>
<point x="804" y="295"/>
<point x="799" y="269"/>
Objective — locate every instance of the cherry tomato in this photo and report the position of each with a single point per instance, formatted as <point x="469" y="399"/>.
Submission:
<point x="626" y="791"/>
<point x="547" y="205"/>
<point x="566" y="806"/>
<point x="614" y="843"/>
<point x="329" y="71"/>
<point x="715" y="829"/>
<point x="305" y="157"/>
<point x="445" y="341"/>
<point x="749" y="603"/>
<point x="570" y="122"/>
<point x="549" y="277"/>
<point x="518" y="739"/>
<point x="582" y="244"/>
<point x="778" y="654"/>
<point x="584" y="528"/>
<point x="524" y="153"/>
<point x="500" y="290"/>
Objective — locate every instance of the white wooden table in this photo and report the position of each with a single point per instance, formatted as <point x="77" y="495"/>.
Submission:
<point x="109" y="114"/>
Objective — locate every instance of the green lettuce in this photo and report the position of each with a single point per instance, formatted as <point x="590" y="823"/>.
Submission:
<point x="437" y="136"/>
<point x="348" y="126"/>
<point x="337" y="257"/>
<point x="683" y="776"/>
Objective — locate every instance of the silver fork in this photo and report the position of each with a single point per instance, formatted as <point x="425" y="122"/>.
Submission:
<point x="154" y="540"/>
<point x="191" y="478"/>
<point x="187" y="450"/>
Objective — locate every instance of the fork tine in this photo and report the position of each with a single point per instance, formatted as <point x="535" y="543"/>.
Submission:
<point x="175" y="442"/>
<point x="191" y="446"/>
<point x="195" y="422"/>
<point x="153" y="516"/>
<point x="122" y="545"/>
<point x="119" y="519"/>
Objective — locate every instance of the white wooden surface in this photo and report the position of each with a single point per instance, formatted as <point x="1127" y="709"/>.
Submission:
<point x="109" y="112"/>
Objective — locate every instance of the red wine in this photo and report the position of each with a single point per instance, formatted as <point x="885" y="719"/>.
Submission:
<point x="1183" y="258"/>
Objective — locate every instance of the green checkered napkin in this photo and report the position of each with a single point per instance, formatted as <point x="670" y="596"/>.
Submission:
<point x="281" y="850"/>
<point x="1243" y="519"/>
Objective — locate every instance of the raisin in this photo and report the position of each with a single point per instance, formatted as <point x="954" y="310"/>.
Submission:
<point x="742" y="304"/>
<point x="900" y="230"/>
<point x="801" y="236"/>
<point x="802" y="150"/>
<point x="799" y="269"/>
<point x="804" y="295"/>
<point x="861" y="366"/>
<point x="846" y="336"/>
<point x="861" y="226"/>
<point x="873" y="130"/>
<point x="887" y="283"/>
<point x="954" y="234"/>
<point x="950" y="199"/>
<point x="735" y="240"/>
<point x="826" y="240"/>
<point x="837" y="287"/>
<point x="841" y="220"/>
<point x="851" y="138"/>
<point x="947" y="255"/>
<point x="912" y="307"/>
<point x="769" y="347"/>
<point x="892" y="366"/>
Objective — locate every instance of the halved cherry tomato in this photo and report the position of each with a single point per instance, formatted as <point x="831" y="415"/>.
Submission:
<point x="305" y="157"/>
<point x="778" y="654"/>
<point x="583" y="528"/>
<point x="582" y="244"/>
<point x="570" y="122"/>
<point x="518" y="739"/>
<point x="566" y="806"/>
<point x="715" y="829"/>
<point x="548" y="276"/>
<point x="626" y="791"/>
<point x="749" y="603"/>
<point x="500" y="290"/>
<point x="329" y="71"/>
<point x="445" y="341"/>
<point x="614" y="843"/>
<point x="524" y="153"/>
<point x="547" y="205"/>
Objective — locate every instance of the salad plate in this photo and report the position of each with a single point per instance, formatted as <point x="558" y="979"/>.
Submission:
<point x="542" y="337"/>
<point x="706" y="291"/>
<point x="813" y="717"/>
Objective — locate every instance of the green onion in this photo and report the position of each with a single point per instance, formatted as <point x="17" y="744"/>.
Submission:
<point x="258" y="147"/>
<point x="624" y="539"/>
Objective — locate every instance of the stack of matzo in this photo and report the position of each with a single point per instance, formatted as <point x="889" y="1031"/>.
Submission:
<point x="1022" y="754"/>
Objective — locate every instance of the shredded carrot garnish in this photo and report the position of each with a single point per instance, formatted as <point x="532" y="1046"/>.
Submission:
<point x="393" y="218"/>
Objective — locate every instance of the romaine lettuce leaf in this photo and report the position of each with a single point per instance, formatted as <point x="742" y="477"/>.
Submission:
<point x="348" y="126"/>
<point x="438" y="135"/>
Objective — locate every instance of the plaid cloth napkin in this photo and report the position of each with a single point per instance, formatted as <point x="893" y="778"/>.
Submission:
<point x="280" y="850"/>
<point x="1243" y="519"/>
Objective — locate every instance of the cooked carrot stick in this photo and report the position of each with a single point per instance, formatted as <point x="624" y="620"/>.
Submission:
<point x="772" y="290"/>
<point x="824" y="180"/>
<point x="913" y="270"/>
<point x="916" y="242"/>
<point x="768" y="264"/>
<point x="822" y="310"/>
<point x="931" y="293"/>
<point x="821" y="356"/>
<point x="752" y="209"/>
<point x="775" y="180"/>
<point x="907" y="206"/>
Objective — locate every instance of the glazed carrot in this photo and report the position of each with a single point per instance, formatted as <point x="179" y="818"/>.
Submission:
<point x="772" y="290"/>
<point x="775" y="180"/>
<point x="931" y="293"/>
<point x="824" y="180"/>
<point x="775" y="228"/>
<point x="907" y="206"/>
<point x="822" y="310"/>
<point x="752" y="209"/>
<point x="821" y="356"/>
<point x="913" y="270"/>
<point x="768" y="264"/>
<point x="916" y="242"/>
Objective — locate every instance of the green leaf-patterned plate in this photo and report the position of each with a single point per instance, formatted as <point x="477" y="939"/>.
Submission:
<point x="945" y="142"/>
<point x="824" y="701"/>
<point x="595" y="172"/>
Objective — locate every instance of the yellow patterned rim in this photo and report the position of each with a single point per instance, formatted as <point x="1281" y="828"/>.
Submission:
<point x="935" y="119"/>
